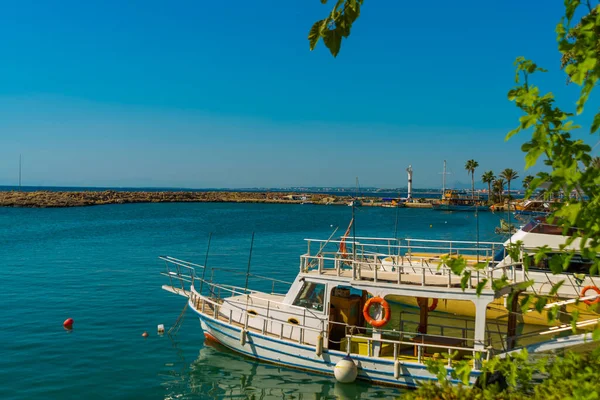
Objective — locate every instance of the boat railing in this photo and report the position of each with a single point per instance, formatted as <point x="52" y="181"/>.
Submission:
<point x="417" y="270"/>
<point x="223" y="292"/>
<point x="180" y="271"/>
<point x="465" y="325"/>
<point x="183" y="273"/>
<point x="219" y="310"/>
<point x="454" y="347"/>
<point x="407" y="245"/>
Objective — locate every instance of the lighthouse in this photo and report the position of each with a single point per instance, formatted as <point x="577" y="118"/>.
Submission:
<point x="410" y="171"/>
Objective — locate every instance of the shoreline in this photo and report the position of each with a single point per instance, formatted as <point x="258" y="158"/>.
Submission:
<point x="52" y="199"/>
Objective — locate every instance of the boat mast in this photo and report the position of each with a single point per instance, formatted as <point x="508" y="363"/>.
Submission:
<point x="248" y="272"/>
<point x="444" y="180"/>
<point x="205" y="262"/>
<point x="354" y="225"/>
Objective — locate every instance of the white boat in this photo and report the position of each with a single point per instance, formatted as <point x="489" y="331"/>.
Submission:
<point x="335" y="318"/>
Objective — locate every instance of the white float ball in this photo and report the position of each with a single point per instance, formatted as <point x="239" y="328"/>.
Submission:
<point x="345" y="370"/>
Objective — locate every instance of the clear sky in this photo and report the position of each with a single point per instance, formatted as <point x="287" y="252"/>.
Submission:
<point x="227" y="94"/>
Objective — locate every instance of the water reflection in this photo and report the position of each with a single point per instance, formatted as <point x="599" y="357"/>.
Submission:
<point x="218" y="373"/>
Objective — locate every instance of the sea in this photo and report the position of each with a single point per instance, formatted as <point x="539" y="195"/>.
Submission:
<point x="99" y="265"/>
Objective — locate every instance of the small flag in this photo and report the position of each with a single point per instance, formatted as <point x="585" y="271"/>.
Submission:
<point x="343" y="241"/>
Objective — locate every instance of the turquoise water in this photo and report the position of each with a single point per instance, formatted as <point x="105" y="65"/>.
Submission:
<point x="99" y="266"/>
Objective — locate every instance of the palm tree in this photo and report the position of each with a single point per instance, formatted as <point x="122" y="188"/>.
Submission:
<point x="499" y="187"/>
<point x="470" y="166"/>
<point x="488" y="177"/>
<point x="595" y="162"/>
<point x="509" y="174"/>
<point x="527" y="181"/>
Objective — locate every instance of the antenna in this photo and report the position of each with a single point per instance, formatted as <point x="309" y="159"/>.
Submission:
<point x="444" y="173"/>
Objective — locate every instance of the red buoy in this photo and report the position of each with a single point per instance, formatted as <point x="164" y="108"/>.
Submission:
<point x="68" y="324"/>
<point x="145" y="334"/>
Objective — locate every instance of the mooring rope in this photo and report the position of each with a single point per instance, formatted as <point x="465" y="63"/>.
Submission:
<point x="175" y="328"/>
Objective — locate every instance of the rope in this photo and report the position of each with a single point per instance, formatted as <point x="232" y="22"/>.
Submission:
<point x="175" y="328"/>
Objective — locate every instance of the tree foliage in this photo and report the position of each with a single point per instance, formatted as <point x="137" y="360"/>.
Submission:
<point x="573" y="376"/>
<point x="470" y="166"/>
<point x="488" y="177"/>
<point x="335" y="26"/>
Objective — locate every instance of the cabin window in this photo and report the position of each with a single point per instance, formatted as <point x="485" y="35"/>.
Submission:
<point x="312" y="295"/>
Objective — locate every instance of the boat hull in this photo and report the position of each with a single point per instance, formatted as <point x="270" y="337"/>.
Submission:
<point x="271" y="349"/>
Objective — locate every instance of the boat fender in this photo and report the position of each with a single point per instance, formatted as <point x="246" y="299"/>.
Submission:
<point x="345" y="370"/>
<point x="319" y="346"/>
<point x="397" y="367"/>
<point x="590" y="302"/>
<point x="377" y="323"/>
<point x="243" y="337"/>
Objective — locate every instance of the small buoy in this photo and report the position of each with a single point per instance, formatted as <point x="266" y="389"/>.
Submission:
<point x="68" y="324"/>
<point x="345" y="370"/>
<point x="145" y="334"/>
<point x="243" y="337"/>
<point x="161" y="329"/>
<point x="431" y="226"/>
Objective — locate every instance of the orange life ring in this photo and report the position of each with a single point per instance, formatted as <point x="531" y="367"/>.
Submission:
<point x="590" y="302"/>
<point x="377" y="323"/>
<point x="433" y="305"/>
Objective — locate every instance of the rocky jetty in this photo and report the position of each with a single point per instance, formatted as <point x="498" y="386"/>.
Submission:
<point x="42" y="199"/>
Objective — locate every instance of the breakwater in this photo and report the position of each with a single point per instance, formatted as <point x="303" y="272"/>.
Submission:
<point x="46" y="199"/>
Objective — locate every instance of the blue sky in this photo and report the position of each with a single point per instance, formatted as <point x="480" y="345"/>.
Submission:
<point x="226" y="94"/>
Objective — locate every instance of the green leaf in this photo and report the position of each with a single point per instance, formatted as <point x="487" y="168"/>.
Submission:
<point x="596" y="334"/>
<point x="498" y="284"/>
<point x="525" y="301"/>
<point x="552" y="314"/>
<point x="465" y="280"/>
<point x="462" y="370"/>
<point x="480" y="286"/>
<point x="570" y="8"/>
<point x="556" y="264"/>
<point x="532" y="156"/>
<point x="541" y="303"/>
<point x="512" y="133"/>
<point x="555" y="288"/>
<point x="315" y="33"/>
<point x="333" y="40"/>
<point x="574" y="318"/>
